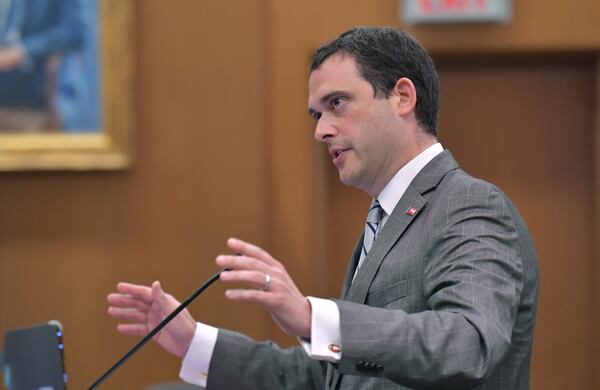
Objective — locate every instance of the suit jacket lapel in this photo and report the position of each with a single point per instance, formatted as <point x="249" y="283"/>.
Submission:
<point x="397" y="223"/>
<point x="395" y="226"/>
<point x="352" y="263"/>
<point x="356" y="290"/>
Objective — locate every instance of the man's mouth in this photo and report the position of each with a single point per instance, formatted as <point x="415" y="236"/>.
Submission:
<point x="338" y="154"/>
<point x="335" y="153"/>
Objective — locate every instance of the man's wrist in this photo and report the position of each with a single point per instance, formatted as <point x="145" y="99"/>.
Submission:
<point x="324" y="342"/>
<point x="306" y="334"/>
<point x="196" y="361"/>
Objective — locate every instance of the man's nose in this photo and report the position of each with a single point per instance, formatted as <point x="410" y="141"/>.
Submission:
<point x="324" y="130"/>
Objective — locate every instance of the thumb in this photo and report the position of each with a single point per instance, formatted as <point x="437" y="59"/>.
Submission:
<point x="157" y="290"/>
<point x="160" y="299"/>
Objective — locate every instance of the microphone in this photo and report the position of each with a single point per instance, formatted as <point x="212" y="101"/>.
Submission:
<point x="157" y="329"/>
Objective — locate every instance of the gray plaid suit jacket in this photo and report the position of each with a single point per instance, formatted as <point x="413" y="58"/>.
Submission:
<point x="446" y="299"/>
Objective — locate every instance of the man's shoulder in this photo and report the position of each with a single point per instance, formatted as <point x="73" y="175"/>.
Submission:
<point x="461" y="189"/>
<point x="443" y="178"/>
<point x="459" y="180"/>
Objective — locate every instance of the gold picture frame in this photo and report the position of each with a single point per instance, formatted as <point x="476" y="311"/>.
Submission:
<point x="110" y="147"/>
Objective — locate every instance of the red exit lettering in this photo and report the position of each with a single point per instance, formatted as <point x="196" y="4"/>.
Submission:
<point x="432" y="6"/>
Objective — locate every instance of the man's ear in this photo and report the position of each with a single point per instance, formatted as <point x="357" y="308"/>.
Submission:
<point x="406" y="96"/>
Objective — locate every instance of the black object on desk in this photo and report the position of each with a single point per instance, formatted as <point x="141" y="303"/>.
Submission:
<point x="34" y="358"/>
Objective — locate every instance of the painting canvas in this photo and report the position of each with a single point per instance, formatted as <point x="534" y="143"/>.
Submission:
<point x="65" y="90"/>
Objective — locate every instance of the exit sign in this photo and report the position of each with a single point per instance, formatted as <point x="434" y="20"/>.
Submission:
<point x="452" y="11"/>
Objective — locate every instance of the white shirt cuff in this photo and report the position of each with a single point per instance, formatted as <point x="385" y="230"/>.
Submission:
<point x="194" y="367"/>
<point x="326" y="336"/>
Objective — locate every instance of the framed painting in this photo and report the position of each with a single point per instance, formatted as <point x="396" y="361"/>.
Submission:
<point x="66" y="96"/>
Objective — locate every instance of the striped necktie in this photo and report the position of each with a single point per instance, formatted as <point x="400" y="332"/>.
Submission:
<point x="372" y="224"/>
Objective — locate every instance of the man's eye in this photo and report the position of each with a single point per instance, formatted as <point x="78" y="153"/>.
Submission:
<point x="336" y="103"/>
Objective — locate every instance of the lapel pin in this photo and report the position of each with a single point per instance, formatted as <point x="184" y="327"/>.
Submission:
<point x="411" y="211"/>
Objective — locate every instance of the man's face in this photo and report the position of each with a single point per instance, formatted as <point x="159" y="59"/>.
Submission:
<point x="363" y="133"/>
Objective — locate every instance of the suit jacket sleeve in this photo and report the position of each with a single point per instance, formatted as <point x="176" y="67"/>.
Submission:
<point x="240" y="363"/>
<point x="455" y="323"/>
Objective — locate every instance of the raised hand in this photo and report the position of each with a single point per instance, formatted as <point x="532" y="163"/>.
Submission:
<point x="269" y="285"/>
<point x="143" y="307"/>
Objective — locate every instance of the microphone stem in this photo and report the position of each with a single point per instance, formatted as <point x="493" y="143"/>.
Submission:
<point x="157" y="329"/>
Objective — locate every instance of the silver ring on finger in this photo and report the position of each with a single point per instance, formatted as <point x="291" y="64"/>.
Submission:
<point x="267" y="283"/>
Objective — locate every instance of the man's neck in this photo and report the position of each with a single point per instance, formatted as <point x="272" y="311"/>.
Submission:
<point x="420" y="143"/>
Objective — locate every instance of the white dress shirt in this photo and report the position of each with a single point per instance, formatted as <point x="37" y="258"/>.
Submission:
<point x="325" y="341"/>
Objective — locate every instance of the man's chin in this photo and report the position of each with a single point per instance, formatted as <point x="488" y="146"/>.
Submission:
<point x="353" y="181"/>
<point x="347" y="179"/>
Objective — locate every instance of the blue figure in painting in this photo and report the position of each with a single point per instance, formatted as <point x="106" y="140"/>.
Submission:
<point x="77" y="95"/>
<point x="37" y="38"/>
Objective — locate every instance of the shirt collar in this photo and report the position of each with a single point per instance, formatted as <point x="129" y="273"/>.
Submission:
<point x="395" y="188"/>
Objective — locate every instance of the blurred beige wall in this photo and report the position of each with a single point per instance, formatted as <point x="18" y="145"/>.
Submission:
<point x="224" y="148"/>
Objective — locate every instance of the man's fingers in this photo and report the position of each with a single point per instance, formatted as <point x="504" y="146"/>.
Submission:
<point x="250" y="250"/>
<point x="133" y="329"/>
<point x="143" y="293"/>
<point x="252" y="296"/>
<point x="241" y="263"/>
<point x="255" y="279"/>
<point x="127" y="314"/>
<point x="122" y="300"/>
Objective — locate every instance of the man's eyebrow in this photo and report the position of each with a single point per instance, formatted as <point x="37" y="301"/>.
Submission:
<point x="331" y="94"/>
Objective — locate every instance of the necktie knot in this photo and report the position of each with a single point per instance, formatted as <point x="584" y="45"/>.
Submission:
<point x="375" y="212"/>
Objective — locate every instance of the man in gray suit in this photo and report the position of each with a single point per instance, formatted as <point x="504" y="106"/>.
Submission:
<point x="441" y="289"/>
